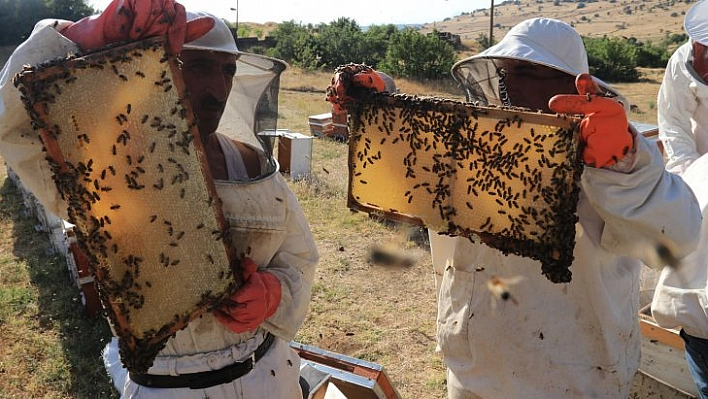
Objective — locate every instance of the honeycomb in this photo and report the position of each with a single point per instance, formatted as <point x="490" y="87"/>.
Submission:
<point x="505" y="176"/>
<point x="126" y="156"/>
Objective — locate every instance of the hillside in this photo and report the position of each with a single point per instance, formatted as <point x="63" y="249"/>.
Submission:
<point x="643" y="19"/>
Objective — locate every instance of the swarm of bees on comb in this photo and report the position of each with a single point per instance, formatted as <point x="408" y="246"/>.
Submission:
<point x="126" y="157"/>
<point x="505" y="176"/>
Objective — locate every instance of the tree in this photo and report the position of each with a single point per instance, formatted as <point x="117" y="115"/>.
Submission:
<point x="18" y="17"/>
<point x="72" y="10"/>
<point x="375" y="43"/>
<point x="287" y="35"/>
<point x="612" y="59"/>
<point x="651" y="56"/>
<point x="413" y="54"/>
<point x="308" y="54"/>
<point x="340" y="42"/>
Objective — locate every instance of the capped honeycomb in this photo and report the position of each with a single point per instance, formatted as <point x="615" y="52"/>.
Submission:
<point x="126" y="156"/>
<point x="505" y="176"/>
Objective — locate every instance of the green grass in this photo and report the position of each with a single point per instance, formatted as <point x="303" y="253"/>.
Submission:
<point x="49" y="347"/>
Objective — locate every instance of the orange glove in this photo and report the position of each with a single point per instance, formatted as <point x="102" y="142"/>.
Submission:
<point x="604" y="130"/>
<point x="352" y="81"/>
<point x="130" y="20"/>
<point x="254" y="302"/>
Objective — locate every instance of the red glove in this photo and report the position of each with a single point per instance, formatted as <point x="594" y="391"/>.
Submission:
<point x="254" y="302"/>
<point x="352" y="81"/>
<point x="604" y="130"/>
<point x="130" y="20"/>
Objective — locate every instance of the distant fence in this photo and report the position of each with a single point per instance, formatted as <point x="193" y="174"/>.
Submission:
<point x="246" y="43"/>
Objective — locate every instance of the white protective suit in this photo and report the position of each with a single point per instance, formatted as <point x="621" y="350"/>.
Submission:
<point x="574" y="340"/>
<point x="263" y="214"/>
<point x="681" y="294"/>
<point x="682" y="111"/>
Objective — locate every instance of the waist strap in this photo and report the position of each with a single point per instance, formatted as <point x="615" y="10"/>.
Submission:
<point x="206" y="379"/>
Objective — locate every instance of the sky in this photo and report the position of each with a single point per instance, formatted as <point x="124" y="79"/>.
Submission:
<point x="364" y="12"/>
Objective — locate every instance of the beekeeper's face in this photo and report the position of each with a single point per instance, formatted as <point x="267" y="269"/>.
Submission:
<point x="531" y="85"/>
<point x="700" y="60"/>
<point x="208" y="77"/>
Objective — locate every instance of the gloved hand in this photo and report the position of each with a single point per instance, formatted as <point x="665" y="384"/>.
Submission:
<point x="130" y="20"/>
<point x="604" y="130"/>
<point x="254" y="302"/>
<point x="352" y="81"/>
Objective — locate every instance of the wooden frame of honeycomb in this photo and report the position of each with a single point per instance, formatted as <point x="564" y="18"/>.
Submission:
<point x="505" y="176"/>
<point x="126" y="156"/>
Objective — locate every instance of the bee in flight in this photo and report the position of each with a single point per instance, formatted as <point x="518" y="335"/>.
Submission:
<point x="499" y="287"/>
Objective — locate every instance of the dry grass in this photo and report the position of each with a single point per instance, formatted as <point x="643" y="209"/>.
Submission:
<point x="646" y="20"/>
<point x="380" y="313"/>
<point x="384" y="314"/>
<point x="642" y="95"/>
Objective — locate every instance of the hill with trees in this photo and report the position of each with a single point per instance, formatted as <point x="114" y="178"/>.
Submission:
<point x="620" y="36"/>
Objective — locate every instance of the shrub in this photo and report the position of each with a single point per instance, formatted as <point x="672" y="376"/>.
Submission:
<point x="418" y="56"/>
<point x="612" y="59"/>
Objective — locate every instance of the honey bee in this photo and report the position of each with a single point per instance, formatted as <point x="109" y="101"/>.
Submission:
<point x="666" y="255"/>
<point x="499" y="287"/>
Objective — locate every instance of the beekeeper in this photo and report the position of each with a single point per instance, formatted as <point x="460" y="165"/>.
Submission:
<point x="682" y="103"/>
<point x="239" y="351"/>
<point x="681" y="295"/>
<point x="574" y="340"/>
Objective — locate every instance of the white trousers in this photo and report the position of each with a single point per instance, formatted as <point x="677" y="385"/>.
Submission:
<point x="276" y="375"/>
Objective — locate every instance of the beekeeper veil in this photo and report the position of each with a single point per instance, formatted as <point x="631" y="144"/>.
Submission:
<point x="251" y="111"/>
<point x="696" y="22"/>
<point x="544" y="41"/>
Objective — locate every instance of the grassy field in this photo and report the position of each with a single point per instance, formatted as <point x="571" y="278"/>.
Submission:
<point x="49" y="348"/>
<point x="381" y="313"/>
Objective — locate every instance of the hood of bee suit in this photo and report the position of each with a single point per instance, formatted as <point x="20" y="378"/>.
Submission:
<point x="252" y="108"/>
<point x="696" y="22"/>
<point x="543" y="41"/>
<point x="390" y="84"/>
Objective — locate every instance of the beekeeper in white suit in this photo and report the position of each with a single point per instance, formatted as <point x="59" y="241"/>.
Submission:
<point x="574" y="340"/>
<point x="234" y="352"/>
<point x="681" y="295"/>
<point x="682" y="102"/>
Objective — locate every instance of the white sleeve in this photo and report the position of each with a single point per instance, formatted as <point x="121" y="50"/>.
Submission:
<point x="676" y="104"/>
<point x="682" y="292"/>
<point x="644" y="208"/>
<point x="19" y="143"/>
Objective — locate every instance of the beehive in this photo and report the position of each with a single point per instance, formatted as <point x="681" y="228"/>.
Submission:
<point x="505" y="176"/>
<point x="126" y="156"/>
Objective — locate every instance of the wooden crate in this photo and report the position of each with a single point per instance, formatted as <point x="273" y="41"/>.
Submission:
<point x="663" y="371"/>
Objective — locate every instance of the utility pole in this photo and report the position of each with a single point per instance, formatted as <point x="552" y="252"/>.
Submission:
<point x="236" y="9"/>
<point x="491" y="24"/>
